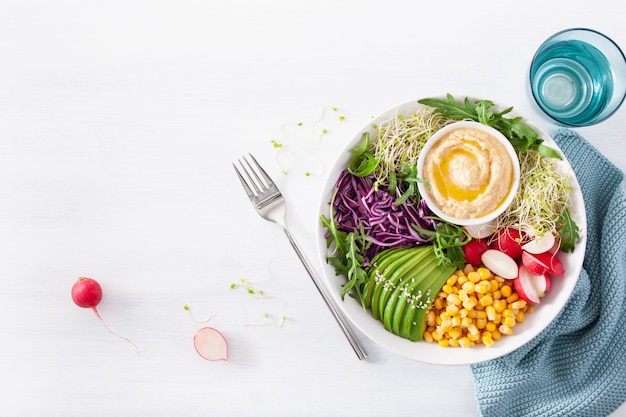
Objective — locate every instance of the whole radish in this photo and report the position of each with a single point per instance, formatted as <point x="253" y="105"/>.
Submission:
<point x="87" y="293"/>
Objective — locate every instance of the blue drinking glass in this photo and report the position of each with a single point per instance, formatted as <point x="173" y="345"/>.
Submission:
<point x="578" y="77"/>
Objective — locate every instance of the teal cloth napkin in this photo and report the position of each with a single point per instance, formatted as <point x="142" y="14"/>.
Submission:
<point x="577" y="365"/>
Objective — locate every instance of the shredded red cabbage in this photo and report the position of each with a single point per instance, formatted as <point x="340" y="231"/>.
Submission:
<point x="359" y="204"/>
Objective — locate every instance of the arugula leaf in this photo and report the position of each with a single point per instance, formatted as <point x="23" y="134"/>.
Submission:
<point x="363" y="162"/>
<point x="568" y="232"/>
<point x="451" y="108"/>
<point x="521" y="136"/>
<point x="347" y="258"/>
<point x="409" y="179"/>
<point x="447" y="240"/>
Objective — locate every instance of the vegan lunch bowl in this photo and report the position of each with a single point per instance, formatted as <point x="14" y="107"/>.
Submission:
<point x="451" y="230"/>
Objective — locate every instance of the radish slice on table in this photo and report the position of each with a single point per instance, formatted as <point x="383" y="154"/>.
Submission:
<point x="211" y="344"/>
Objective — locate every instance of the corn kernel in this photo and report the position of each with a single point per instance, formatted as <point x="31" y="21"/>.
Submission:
<point x="468" y="268"/>
<point x="508" y="313"/>
<point x="520" y="317"/>
<point x="482" y="288"/>
<point x="469" y="287"/>
<point x="487" y="340"/>
<point x="473" y="337"/>
<point x="505" y="330"/>
<point x="430" y="318"/>
<point x="506" y="291"/>
<point x="517" y="305"/>
<point x="465" y="342"/>
<point x="491" y="326"/>
<point x="452" y="310"/>
<point x="481" y="314"/>
<point x="454" y="299"/>
<point x="446" y="325"/>
<point x="463" y="295"/>
<point x="497" y="295"/>
<point x="474" y="276"/>
<point x="455" y="333"/>
<point x="447" y="289"/>
<point x="427" y="337"/>
<point x="530" y="308"/>
<point x="484" y="273"/>
<point x="456" y="321"/>
<point x="438" y="303"/>
<point x="495" y="285"/>
<point x="481" y="323"/>
<point x="444" y="343"/>
<point x="452" y="279"/>
<point x="486" y="300"/>
<point x="509" y="322"/>
<point x="491" y="312"/>
<point x="496" y="335"/>
<point x="499" y="305"/>
<point x="462" y="279"/>
<point x="465" y="322"/>
<point x="453" y="342"/>
<point x="512" y="298"/>
<point x="470" y="303"/>
<point x="463" y="312"/>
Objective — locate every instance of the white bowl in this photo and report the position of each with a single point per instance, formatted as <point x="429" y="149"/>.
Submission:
<point x="425" y="190"/>
<point x="432" y="353"/>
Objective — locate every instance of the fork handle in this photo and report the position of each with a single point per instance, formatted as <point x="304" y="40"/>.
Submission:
<point x="346" y="331"/>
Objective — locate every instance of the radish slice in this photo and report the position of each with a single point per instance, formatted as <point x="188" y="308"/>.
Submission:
<point x="525" y="286"/>
<point x="211" y="344"/>
<point x="542" y="284"/>
<point x="540" y="244"/>
<point x="481" y="231"/>
<point x="500" y="263"/>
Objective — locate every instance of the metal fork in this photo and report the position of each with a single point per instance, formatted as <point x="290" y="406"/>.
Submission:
<point x="270" y="204"/>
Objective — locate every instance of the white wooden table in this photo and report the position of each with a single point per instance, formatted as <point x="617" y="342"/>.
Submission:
<point x="118" y="124"/>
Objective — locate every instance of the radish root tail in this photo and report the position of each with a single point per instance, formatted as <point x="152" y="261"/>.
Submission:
<point x="95" y="310"/>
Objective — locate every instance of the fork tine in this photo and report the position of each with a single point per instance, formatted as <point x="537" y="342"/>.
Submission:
<point x="243" y="182"/>
<point x="266" y="177"/>
<point x="252" y="171"/>
<point x="249" y="171"/>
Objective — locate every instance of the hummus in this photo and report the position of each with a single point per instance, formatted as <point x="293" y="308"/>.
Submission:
<point x="470" y="173"/>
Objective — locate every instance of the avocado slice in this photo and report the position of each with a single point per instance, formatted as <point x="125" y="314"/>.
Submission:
<point x="417" y="322"/>
<point x="411" y="295"/>
<point x="393" y="277"/>
<point x="383" y="275"/>
<point x="420" y="272"/>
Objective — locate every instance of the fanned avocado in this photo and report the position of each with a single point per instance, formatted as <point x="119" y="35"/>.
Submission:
<point x="388" y="278"/>
<point x="380" y="261"/>
<point x="401" y="287"/>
